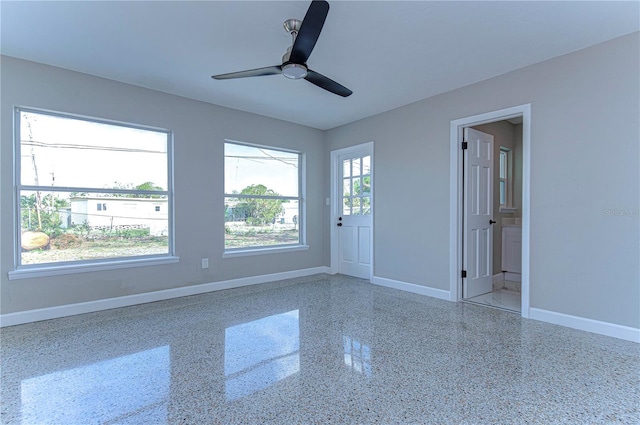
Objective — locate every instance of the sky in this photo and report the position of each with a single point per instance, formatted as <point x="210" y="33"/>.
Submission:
<point x="69" y="152"/>
<point x="249" y="165"/>
<point x="77" y="153"/>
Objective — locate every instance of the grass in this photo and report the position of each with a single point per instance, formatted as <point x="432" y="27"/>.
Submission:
<point x="97" y="245"/>
<point x="71" y="247"/>
<point x="239" y="235"/>
<point x="260" y="239"/>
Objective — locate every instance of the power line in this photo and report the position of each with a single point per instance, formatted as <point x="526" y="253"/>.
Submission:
<point x="278" y="159"/>
<point x="288" y="161"/>
<point x="84" y="147"/>
<point x="84" y="214"/>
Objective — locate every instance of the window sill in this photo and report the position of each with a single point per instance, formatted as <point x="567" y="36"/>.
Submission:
<point x="86" y="267"/>
<point x="507" y="210"/>
<point x="266" y="250"/>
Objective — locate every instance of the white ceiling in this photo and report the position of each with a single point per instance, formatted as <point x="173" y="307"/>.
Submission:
<point x="390" y="53"/>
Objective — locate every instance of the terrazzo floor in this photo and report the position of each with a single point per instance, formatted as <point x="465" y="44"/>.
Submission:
<point x="315" y="350"/>
<point x="500" y="298"/>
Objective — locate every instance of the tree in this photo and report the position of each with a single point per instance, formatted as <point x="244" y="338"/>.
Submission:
<point x="48" y="221"/>
<point x="148" y="186"/>
<point x="142" y="186"/>
<point x="259" y="211"/>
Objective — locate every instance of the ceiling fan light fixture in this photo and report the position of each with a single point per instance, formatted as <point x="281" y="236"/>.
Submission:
<point x="294" y="71"/>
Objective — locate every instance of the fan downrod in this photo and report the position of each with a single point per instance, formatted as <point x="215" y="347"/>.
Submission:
<point x="291" y="70"/>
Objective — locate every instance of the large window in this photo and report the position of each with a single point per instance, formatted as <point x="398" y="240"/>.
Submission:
<point x="263" y="197"/>
<point x="90" y="190"/>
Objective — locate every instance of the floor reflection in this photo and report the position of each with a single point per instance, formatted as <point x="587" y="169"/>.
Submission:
<point x="132" y="388"/>
<point x="315" y="350"/>
<point x="357" y="355"/>
<point x="260" y="353"/>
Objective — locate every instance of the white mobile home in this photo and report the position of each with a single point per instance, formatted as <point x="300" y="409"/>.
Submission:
<point x="119" y="213"/>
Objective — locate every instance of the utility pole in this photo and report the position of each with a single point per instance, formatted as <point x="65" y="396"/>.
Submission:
<point x="37" y="181"/>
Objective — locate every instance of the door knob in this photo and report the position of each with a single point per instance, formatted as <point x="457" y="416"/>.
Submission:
<point x="339" y="224"/>
<point x="492" y="222"/>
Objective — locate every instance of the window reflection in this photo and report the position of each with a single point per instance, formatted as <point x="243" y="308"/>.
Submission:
<point x="357" y="355"/>
<point x="128" y="388"/>
<point x="260" y="353"/>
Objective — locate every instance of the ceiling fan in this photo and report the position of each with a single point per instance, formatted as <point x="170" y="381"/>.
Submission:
<point x="304" y="35"/>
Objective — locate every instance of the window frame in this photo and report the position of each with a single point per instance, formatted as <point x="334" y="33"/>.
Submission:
<point x="352" y="178"/>
<point x="25" y="271"/>
<point x="507" y="207"/>
<point x="301" y="198"/>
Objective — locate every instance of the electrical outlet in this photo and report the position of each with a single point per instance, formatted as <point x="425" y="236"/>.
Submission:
<point x="205" y="263"/>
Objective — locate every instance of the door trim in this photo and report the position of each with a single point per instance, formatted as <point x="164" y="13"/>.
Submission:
<point x="333" y="216"/>
<point x="456" y="192"/>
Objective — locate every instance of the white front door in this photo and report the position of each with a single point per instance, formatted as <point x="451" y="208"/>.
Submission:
<point x="352" y="237"/>
<point x="478" y="214"/>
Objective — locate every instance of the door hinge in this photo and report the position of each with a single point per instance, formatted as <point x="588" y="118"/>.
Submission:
<point x="465" y="145"/>
<point x="463" y="274"/>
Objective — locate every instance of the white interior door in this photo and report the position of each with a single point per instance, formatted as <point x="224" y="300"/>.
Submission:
<point x="352" y="238"/>
<point x="478" y="214"/>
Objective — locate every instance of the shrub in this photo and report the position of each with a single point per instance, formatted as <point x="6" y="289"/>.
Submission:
<point x="66" y="240"/>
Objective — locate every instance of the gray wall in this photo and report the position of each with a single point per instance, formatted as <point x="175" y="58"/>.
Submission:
<point x="584" y="163"/>
<point x="199" y="133"/>
<point x="504" y="135"/>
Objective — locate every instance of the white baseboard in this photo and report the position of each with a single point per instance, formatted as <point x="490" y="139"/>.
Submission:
<point x="412" y="287"/>
<point x="502" y="276"/>
<point x="512" y="277"/>
<point x="584" y="324"/>
<point x="575" y="322"/>
<point x="36" y="315"/>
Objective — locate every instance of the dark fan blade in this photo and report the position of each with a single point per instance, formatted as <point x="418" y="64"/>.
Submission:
<point x="309" y="31"/>
<point x="327" y="83"/>
<point x="269" y="70"/>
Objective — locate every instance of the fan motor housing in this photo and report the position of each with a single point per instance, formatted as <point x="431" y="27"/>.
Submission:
<point x="294" y="71"/>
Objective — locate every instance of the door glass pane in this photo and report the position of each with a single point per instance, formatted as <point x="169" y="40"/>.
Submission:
<point x="346" y="168"/>
<point x="356" y="166"/>
<point x="356" y="206"/>
<point x="357" y="186"/>
<point x="366" y="165"/>
<point x="366" y="205"/>
<point x="346" y="206"/>
<point x="346" y="187"/>
<point x="366" y="184"/>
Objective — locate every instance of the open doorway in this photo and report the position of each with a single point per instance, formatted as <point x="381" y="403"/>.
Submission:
<point x="489" y="206"/>
<point x="493" y="238"/>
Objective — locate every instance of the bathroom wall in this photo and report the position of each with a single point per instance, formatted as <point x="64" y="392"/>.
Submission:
<point x="517" y="170"/>
<point x="504" y="135"/>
